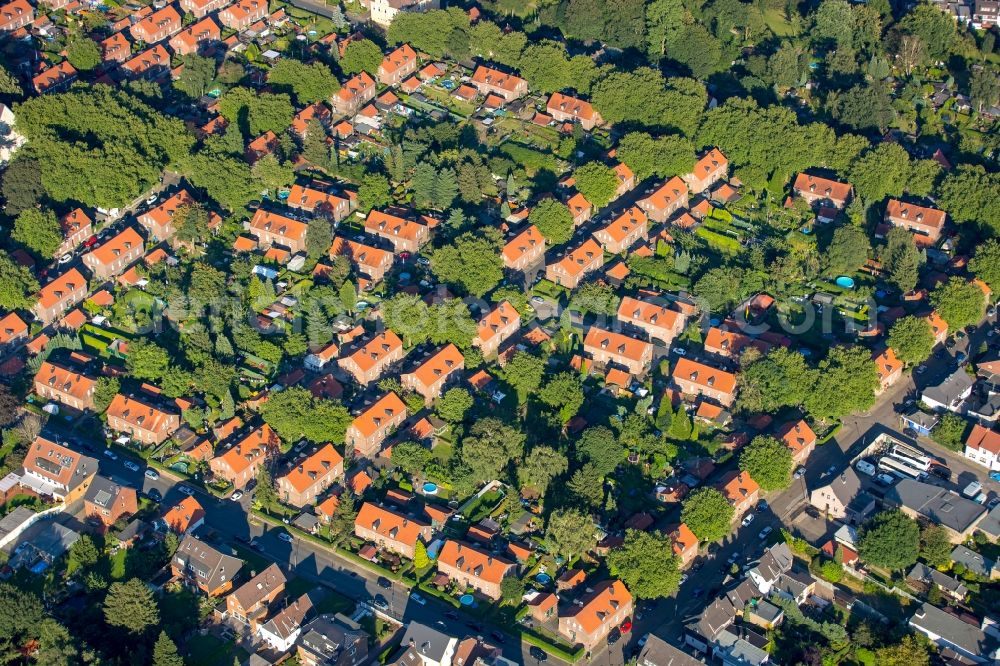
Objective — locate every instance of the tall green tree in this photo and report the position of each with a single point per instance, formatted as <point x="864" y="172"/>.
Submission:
<point x="911" y="339"/>
<point x="890" y="539"/>
<point x="307" y="83"/>
<point x="646" y="564"/>
<point x="708" y="514"/>
<point x="847" y="251"/>
<point x="600" y="446"/>
<point x="83" y="54"/>
<point x="472" y="261"/>
<point x="597" y="182"/>
<point x="960" y="303"/>
<point x="524" y="373"/>
<point x="985" y="264"/>
<point x="39" y="231"/>
<point x="362" y="55"/>
<point x="165" y="652"/>
<point x="901" y="259"/>
<point x="768" y="462"/>
<point x="570" y="533"/>
<point x="131" y="606"/>
<point x="17" y="285"/>
<point x="540" y="466"/>
<point x="553" y="220"/>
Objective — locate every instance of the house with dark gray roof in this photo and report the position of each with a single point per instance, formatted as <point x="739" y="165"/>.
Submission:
<point x="795" y="585"/>
<point x="974" y="562"/>
<point x="921" y="573"/>
<point x="281" y="631"/>
<point x="658" y="652"/>
<point x="842" y="498"/>
<point x="332" y="640"/>
<point x="430" y="645"/>
<point x="990" y="526"/>
<point x="775" y="561"/>
<point x="702" y="632"/>
<point x="204" y="567"/>
<point x="950" y="395"/>
<point x="953" y="634"/>
<point x="958" y="515"/>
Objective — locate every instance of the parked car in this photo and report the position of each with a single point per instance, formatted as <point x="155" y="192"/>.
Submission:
<point x="799" y="473"/>
<point x="498" y="636"/>
<point x="747" y="519"/>
<point x="680" y="351"/>
<point x="451" y="615"/>
<point x="131" y="465"/>
<point x="762" y="505"/>
<point x="285" y="536"/>
<point x="417" y="599"/>
<point x="384" y="583"/>
<point x="626" y="626"/>
<point x="684" y="578"/>
<point x="154" y="495"/>
<point x="65" y="259"/>
<point x="885" y="479"/>
<point x="151" y="474"/>
<point x="764" y="533"/>
<point x="614" y="636"/>
<point x="995" y="476"/>
<point x="236" y="496"/>
<point x="379" y="602"/>
<point x="538" y="653"/>
<point x="110" y="454"/>
<point x="185" y="490"/>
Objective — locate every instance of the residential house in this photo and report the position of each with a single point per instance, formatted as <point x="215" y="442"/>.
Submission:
<point x="579" y="209"/>
<point x="925" y="223"/>
<point x="426" y="646"/>
<point x="660" y="323"/>
<point x="390" y="530"/>
<point x="730" y="344"/>
<point x="15" y="15"/>
<point x="194" y="39"/>
<point x="740" y="490"/>
<point x="353" y="94"/>
<point x="950" y="394"/>
<point x="957" y="515"/>
<point x="203" y="567"/>
<point x="608" y="348"/>
<point x="890" y="368"/>
<point x="799" y="438"/>
<point x="665" y="201"/>
<point x="371" y="261"/>
<point x="107" y="501"/>
<point x="371" y="427"/>
<point x="243" y="14"/>
<point x="685" y="544"/>
<point x="153" y="64"/>
<point x="318" y="202"/>
<point x="142" y="421"/>
<point x="309" y="478"/>
<point x="405" y="235"/>
<point x="657" y="652"/>
<point x="975" y="563"/>
<point x="59" y="295"/>
<point x="985" y="14"/>
<point x="241" y="462"/>
<point x="795" y="585"/>
<point x="939" y="327"/>
<point x="398" y="65"/>
<point x="432" y="374"/>
<point x="969" y="642"/>
<point x="113" y="256"/>
<point x="625" y="231"/>
<point x="249" y="603"/>
<point x="318" y="359"/>
<point x="319" y="112"/>
<point x="982" y="447"/>
<point x="202" y="8"/>
<point x="159" y="221"/>
<point x="591" y="618"/>
<point x="496" y="327"/>
<point x="281" y="631"/>
<point x="51" y="470"/>
<point x="775" y="561"/>
<point x="927" y="576"/>
<point x="64" y="385"/>
<point x="383" y="11"/>
<point x="367" y="363"/>
<point x="332" y="640"/>
<point x="524" y="250"/>
<point x="184" y="517"/>
<point x="564" y="108"/>
<point x="697" y="379"/>
<point x="822" y="191"/>
<point x="469" y="566"/>
<point x="13" y="331"/>
<point x="262" y="146"/>
<point x="708" y="170"/>
<point x="576" y="264"/>
<point x="76" y="228"/>
<point x="274" y="229"/>
<point x="626" y="179"/>
<point x="843" y="499"/>
<point x="116" y="48"/>
<point x="157" y="26"/>
<point x="490" y="81"/>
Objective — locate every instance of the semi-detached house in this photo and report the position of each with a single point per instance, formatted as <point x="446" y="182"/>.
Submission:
<point x="665" y="201"/>
<point x="496" y="327"/>
<point x="432" y="374"/>
<point x="202" y="8"/>
<point x="623" y="232"/>
<point x="983" y="447"/>
<point x="243" y="14"/>
<point x="193" y="39"/>
<point x="319" y="112"/>
<point x="592" y="617"/>
<point x="16" y="14"/>
<point x="116" y="48"/>
<point x="203" y="567"/>
<point x="525" y="250"/>
<point x="55" y="78"/>
<point x="822" y="191"/>
<point x="659" y="322"/>
<point x="64" y="385"/>
<point x="159" y="221"/>
<point x="141" y="420"/>
<point x="740" y="490"/>
<point x="152" y="64"/>
<point x="398" y="65"/>
<point x="107" y="501"/>
<point x="368" y="362"/>
<point x="241" y="462"/>
<point x="469" y="566"/>
<point x="306" y="480"/>
<point x="249" y="602"/>
<point x="608" y="348"/>
<point x="76" y="228"/>
<point x="318" y="202"/>
<point x="59" y="295"/>
<point x="112" y="257"/>
<point x="157" y="26"/>
<point x="697" y="379"/>
<point x="576" y="264"/>
<point x="491" y="81"/>
<point x="390" y="530"/>
<point x="53" y="470"/>
<point x="353" y="94"/>
<point x="708" y="170"/>
<point x="371" y="261"/>
<point x="274" y="229"/>
<point x="370" y="428"/>
<point x="571" y="109"/>
<point x="405" y="235"/>
<point x="924" y="223"/>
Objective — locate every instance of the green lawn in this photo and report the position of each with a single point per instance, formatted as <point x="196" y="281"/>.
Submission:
<point x="775" y="19"/>
<point x="211" y="651"/>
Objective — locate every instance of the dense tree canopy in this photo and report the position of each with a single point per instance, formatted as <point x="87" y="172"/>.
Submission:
<point x="646" y="564"/>
<point x="768" y="462"/>
<point x="553" y="220"/>
<point x="708" y="514"/>
<point x="890" y="539"/>
<point x="294" y="413"/>
<point x="361" y="55"/>
<point x="472" y="261"/>
<point x="959" y="302"/>
<point x="911" y="339"/>
<point x="570" y="532"/>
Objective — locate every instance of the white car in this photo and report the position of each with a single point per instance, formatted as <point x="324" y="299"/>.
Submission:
<point x="152" y="199"/>
<point x="131" y="465"/>
<point x="65" y="259"/>
<point x="237" y="496"/>
<point x="423" y="261"/>
<point x="680" y="351"/>
<point x="152" y="474"/>
<point x="765" y="532"/>
<point x="417" y="599"/>
<point x="799" y="473"/>
<point x="110" y="454"/>
<point x="684" y="578"/>
<point x="285" y="536"/>
<point x="747" y="520"/>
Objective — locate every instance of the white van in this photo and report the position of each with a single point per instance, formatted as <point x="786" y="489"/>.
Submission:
<point x="865" y="467"/>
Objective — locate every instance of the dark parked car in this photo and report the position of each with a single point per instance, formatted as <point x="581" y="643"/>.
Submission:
<point x="384" y="583"/>
<point x="451" y="615"/>
<point x="475" y="626"/>
<point x="498" y="637"/>
<point x="155" y="495"/>
<point x="380" y="602"/>
<point x="538" y="653"/>
<point x="614" y="636"/>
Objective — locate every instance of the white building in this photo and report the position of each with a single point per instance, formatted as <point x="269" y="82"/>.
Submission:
<point x="10" y="140"/>
<point x="983" y="448"/>
<point x="383" y="11"/>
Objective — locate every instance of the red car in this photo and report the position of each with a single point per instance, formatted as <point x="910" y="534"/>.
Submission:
<point x="90" y="242"/>
<point x="626" y="626"/>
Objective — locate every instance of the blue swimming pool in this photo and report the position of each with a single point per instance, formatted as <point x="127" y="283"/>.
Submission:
<point x="430" y="488"/>
<point x="844" y="282"/>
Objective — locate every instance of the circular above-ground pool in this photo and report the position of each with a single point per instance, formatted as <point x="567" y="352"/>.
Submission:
<point x="430" y="488"/>
<point x="543" y="578"/>
<point x="844" y="282"/>
<point x="467" y="600"/>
